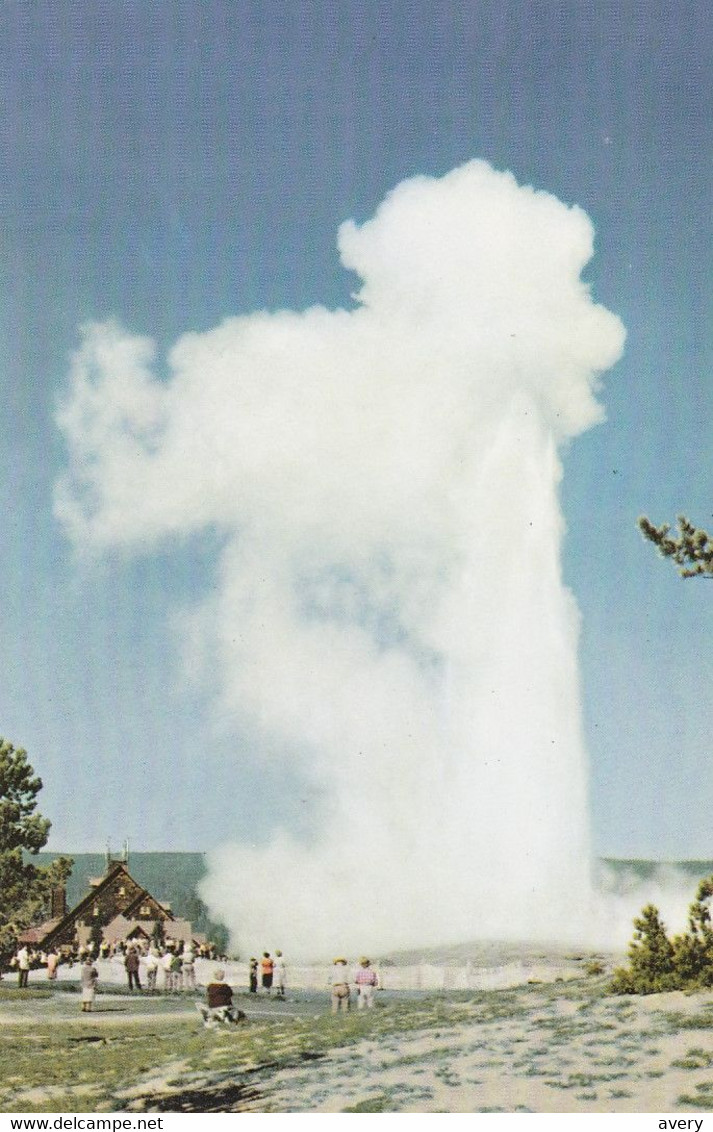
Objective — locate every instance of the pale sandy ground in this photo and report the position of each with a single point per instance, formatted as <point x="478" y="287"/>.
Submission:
<point x="616" y="1056"/>
<point x="529" y="1052"/>
<point x="547" y="1048"/>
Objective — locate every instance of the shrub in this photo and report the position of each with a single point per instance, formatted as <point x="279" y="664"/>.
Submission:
<point x="651" y="958"/>
<point x="657" y="963"/>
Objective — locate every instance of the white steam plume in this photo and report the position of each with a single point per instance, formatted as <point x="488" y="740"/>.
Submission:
<point x="389" y="602"/>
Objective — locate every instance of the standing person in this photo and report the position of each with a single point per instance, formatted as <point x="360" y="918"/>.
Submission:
<point x="252" y="975"/>
<point x="152" y="963"/>
<point x="339" y="981"/>
<point x="90" y="978"/>
<point x="279" y="975"/>
<point x="266" y="969"/>
<point x="167" y="964"/>
<point x="52" y="964"/>
<point x="367" y="981"/>
<point x="132" y="968"/>
<point x="177" y="970"/>
<point x="23" y="966"/>
<point x="189" y="967"/>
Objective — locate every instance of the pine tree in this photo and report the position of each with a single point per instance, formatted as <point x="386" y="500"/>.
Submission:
<point x="158" y="936"/>
<point x="96" y="937"/>
<point x="651" y="958"/>
<point x="657" y="963"/>
<point x="25" y="889"/>
<point x="693" y="951"/>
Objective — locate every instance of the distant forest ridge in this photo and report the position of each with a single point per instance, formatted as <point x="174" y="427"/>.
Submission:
<point x="173" y="878"/>
<point x="697" y="870"/>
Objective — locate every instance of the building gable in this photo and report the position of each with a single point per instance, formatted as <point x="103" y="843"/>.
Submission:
<point x="145" y="907"/>
<point x="122" y="928"/>
<point x="115" y="894"/>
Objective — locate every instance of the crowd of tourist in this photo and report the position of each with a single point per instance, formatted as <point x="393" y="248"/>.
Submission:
<point x="171" y="968"/>
<point x="269" y="975"/>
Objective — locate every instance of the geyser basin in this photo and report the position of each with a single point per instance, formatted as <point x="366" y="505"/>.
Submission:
<point x="388" y="602"/>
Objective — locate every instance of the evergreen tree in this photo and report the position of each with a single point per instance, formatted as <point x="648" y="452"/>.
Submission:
<point x="193" y="908"/>
<point x="158" y="936"/>
<point x="25" y="889"/>
<point x="693" y="951"/>
<point x="651" y="958"/>
<point x="657" y="963"/>
<point x="96" y="937"/>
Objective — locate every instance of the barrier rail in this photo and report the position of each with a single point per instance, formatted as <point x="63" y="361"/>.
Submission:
<point x="315" y="977"/>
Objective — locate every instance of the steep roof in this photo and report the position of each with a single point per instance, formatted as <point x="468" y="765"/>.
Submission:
<point x="117" y="893"/>
<point x="37" y="934"/>
<point x="180" y="930"/>
<point x="122" y="928"/>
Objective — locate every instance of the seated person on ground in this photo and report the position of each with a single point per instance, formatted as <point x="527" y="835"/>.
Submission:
<point x="219" y="1002"/>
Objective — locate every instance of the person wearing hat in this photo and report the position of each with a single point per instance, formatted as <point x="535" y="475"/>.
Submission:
<point x="366" y="980"/>
<point x="341" y="991"/>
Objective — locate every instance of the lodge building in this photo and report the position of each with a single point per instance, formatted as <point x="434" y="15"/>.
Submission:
<point x="118" y="907"/>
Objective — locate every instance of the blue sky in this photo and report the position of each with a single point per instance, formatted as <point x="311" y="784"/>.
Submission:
<point x="169" y="164"/>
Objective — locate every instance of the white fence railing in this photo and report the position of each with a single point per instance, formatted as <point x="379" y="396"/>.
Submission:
<point x="315" y="977"/>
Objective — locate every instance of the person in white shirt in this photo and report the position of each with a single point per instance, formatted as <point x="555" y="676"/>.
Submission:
<point x="23" y="966"/>
<point x="339" y="982"/>
<point x="167" y="965"/>
<point x="152" y="962"/>
<point x="189" y="967"/>
<point x="279" y="977"/>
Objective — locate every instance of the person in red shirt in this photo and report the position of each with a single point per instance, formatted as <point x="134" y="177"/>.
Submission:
<point x="367" y="981"/>
<point x="267" y="968"/>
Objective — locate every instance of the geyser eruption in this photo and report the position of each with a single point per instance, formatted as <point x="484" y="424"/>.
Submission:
<point x="389" y="612"/>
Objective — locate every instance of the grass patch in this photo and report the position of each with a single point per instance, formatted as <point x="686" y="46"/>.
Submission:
<point x="70" y="1062"/>
<point x="96" y="1065"/>
<point x="694" y="1059"/>
<point x="383" y="1102"/>
<point x="26" y="994"/>
<point x="701" y="1099"/>
<point x="677" y="1021"/>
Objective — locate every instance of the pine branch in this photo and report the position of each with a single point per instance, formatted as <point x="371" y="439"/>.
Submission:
<point x="691" y="550"/>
